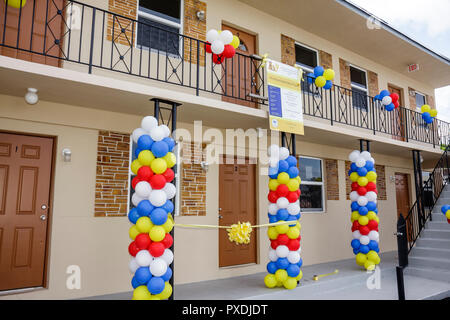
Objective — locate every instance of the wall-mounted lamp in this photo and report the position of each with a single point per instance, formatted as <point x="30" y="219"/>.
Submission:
<point x="392" y="179"/>
<point x="67" y="155"/>
<point x="201" y="15"/>
<point x="31" y="96"/>
<point x="204" y="165"/>
<point x="412" y="93"/>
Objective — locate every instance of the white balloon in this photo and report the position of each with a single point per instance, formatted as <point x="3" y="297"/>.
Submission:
<point x="157" y="198"/>
<point x="273" y="162"/>
<point x="217" y="46"/>
<point x="373" y="160"/>
<point x="354" y="155"/>
<point x="226" y="36"/>
<point x="282" y="203"/>
<point x="137" y="133"/>
<point x="148" y="123"/>
<point x="157" y="133"/>
<point x="365" y="155"/>
<point x="374" y="235"/>
<point x="293" y="209"/>
<point x="135" y="199"/>
<point x="133" y="266"/>
<point x="362" y="201"/>
<point x="284" y="153"/>
<point x="299" y="250"/>
<point x="282" y="251"/>
<point x="273" y="208"/>
<point x="356" y="234"/>
<point x="212" y="35"/>
<point x="273" y="255"/>
<point x="354" y="196"/>
<point x="371" y="196"/>
<point x="166" y="130"/>
<point x="167" y="256"/>
<point x="170" y="190"/>
<point x="360" y="162"/>
<point x="274" y="151"/>
<point x="293" y="257"/>
<point x="364" y="240"/>
<point x="144" y="258"/>
<point x="143" y="189"/>
<point x="158" y="267"/>
<point x="387" y="100"/>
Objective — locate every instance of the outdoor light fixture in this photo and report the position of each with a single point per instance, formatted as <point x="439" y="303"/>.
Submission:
<point x="204" y="165"/>
<point x="31" y="96"/>
<point x="67" y="155"/>
<point x="201" y="15"/>
<point x="412" y="93"/>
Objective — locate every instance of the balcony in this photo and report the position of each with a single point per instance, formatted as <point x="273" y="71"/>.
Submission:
<point x="76" y="36"/>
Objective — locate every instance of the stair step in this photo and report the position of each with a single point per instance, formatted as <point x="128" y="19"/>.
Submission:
<point x="439" y="263"/>
<point x="438" y="225"/>
<point x="426" y="252"/>
<point x="438" y="216"/>
<point x="428" y="273"/>
<point x="433" y="243"/>
<point x="436" y="234"/>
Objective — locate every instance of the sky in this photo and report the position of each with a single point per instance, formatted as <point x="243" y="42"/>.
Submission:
<point x="427" y="22"/>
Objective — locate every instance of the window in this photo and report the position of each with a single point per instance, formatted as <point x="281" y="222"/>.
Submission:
<point x="421" y="99"/>
<point x="312" y="188"/>
<point x="358" y="79"/>
<point x="160" y="25"/>
<point x="307" y="59"/>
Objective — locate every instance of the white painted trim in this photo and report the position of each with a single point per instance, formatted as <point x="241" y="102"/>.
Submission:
<point x="307" y="68"/>
<point x="424" y="99"/>
<point x="313" y="183"/>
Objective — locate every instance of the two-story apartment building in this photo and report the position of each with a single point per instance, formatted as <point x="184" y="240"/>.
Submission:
<point x="97" y="64"/>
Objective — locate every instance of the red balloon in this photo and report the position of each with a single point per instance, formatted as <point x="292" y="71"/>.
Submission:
<point x="282" y="190"/>
<point x="144" y="173"/>
<point x="371" y="186"/>
<point x="156" y="249"/>
<point x="355" y="186"/>
<point x="361" y="191"/>
<point x="167" y="241"/>
<point x="272" y="196"/>
<point x="298" y="192"/>
<point x="394" y="97"/>
<point x="292" y="196"/>
<point x="293" y="244"/>
<point x="208" y="47"/>
<point x="218" y="59"/>
<point x="169" y="175"/>
<point x="283" y="239"/>
<point x="133" y="249"/>
<point x="396" y="104"/>
<point x="448" y="220"/>
<point x="274" y="244"/>
<point x="158" y="181"/>
<point x="355" y="226"/>
<point x="135" y="181"/>
<point x="364" y="230"/>
<point x="372" y="225"/>
<point x="228" y="51"/>
<point x="142" y="241"/>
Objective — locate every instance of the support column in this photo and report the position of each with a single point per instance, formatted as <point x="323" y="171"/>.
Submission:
<point x="418" y="182"/>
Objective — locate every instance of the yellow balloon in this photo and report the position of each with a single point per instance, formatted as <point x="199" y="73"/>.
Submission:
<point x="171" y="159"/>
<point x="373" y="256"/>
<point x="144" y="224"/>
<point x="16" y="3"/>
<point x="270" y="281"/>
<point x="168" y="226"/>
<point x="154" y="297"/>
<point x="328" y="74"/>
<point x="290" y="283"/>
<point x="133" y="232"/>
<point x="433" y="113"/>
<point x="363" y="220"/>
<point x="371" y="215"/>
<point x="273" y="184"/>
<point x="298" y="225"/>
<point x="281" y="275"/>
<point x="377" y="219"/>
<point x="135" y="165"/>
<point x="279" y="284"/>
<point x="361" y="259"/>
<point x="447" y="214"/>
<point x="354" y="176"/>
<point x="425" y="108"/>
<point x="371" y="176"/>
<point x="283" y="178"/>
<point x="157" y="233"/>
<point x="363" y="181"/>
<point x="369" y="265"/>
<point x="355" y="216"/>
<point x="293" y="233"/>
<point x="272" y="233"/>
<point x="141" y="293"/>
<point x="300" y="276"/>
<point x="320" y="81"/>
<point x="159" y="165"/>
<point x="166" y="293"/>
<point x="235" y="42"/>
<point x="146" y="157"/>
<point x="282" y="228"/>
<point x="293" y="185"/>
<point x="298" y="179"/>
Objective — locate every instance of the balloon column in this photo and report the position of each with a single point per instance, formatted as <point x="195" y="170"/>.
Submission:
<point x="446" y="211"/>
<point x="428" y="114"/>
<point x="222" y="44"/>
<point x="284" y="205"/>
<point x="389" y="100"/>
<point x="16" y="3"/>
<point x="321" y="77"/>
<point x="364" y="209"/>
<point x="151" y="216"/>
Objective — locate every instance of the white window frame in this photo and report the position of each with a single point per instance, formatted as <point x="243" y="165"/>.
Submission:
<point x="306" y="68"/>
<point x="359" y="87"/>
<point x="312" y="183"/>
<point x="415" y="100"/>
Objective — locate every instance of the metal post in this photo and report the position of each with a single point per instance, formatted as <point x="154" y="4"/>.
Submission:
<point x="418" y="184"/>
<point x="91" y="53"/>
<point x="400" y="284"/>
<point x="197" y="90"/>
<point x="402" y="241"/>
<point x="364" y="145"/>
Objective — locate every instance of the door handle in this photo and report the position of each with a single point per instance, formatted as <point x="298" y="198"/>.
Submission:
<point x="43" y="217"/>
<point x="220" y="216"/>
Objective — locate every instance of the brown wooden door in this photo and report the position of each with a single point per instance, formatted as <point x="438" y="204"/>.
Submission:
<point x="240" y="70"/>
<point x="237" y="202"/>
<point x="25" y="172"/>
<point x="33" y="34"/>
<point x="398" y="121"/>
<point x="402" y="196"/>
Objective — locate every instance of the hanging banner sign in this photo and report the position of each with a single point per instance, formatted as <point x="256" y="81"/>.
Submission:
<point x="285" y="97"/>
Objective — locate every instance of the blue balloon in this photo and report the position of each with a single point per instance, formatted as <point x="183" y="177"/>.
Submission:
<point x="373" y="245"/>
<point x="144" y="208"/>
<point x="133" y="215"/>
<point x="158" y="216"/>
<point x="328" y="85"/>
<point x="166" y="276"/>
<point x="355" y="251"/>
<point x="136" y="152"/>
<point x="170" y="143"/>
<point x="384" y="93"/>
<point x="142" y="275"/>
<point x="377" y="250"/>
<point x="272" y="219"/>
<point x="364" y="249"/>
<point x="350" y="172"/>
<point x="369" y="165"/>
<point x="300" y="263"/>
<point x="298" y="216"/>
<point x="377" y="97"/>
<point x="371" y="206"/>
<point x="293" y="172"/>
<point x="363" y="211"/>
<point x="282" y="263"/>
<point x="145" y="142"/>
<point x="273" y="172"/>
<point x="362" y="172"/>
<point x="134" y="283"/>
<point x="271" y="267"/>
<point x="293" y="270"/>
<point x="355" y="244"/>
<point x="444" y="208"/>
<point x="168" y="206"/>
<point x="282" y="214"/>
<point x="353" y="167"/>
<point x="156" y="285"/>
<point x="376" y="210"/>
<point x="292" y="162"/>
<point x="292" y="218"/>
<point x="160" y="149"/>
<point x="283" y="166"/>
<point x="311" y="78"/>
<point x="390" y="107"/>
<point x="318" y="71"/>
<point x="354" y="206"/>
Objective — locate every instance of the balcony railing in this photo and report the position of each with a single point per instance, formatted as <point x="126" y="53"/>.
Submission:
<point x="71" y="34"/>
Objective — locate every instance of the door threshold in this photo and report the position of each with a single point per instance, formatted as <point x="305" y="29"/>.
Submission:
<point x="17" y="291"/>
<point x="239" y="265"/>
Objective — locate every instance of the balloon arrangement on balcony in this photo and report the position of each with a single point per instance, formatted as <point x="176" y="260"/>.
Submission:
<point x="222" y="45"/>
<point x="16" y="3"/>
<point x="364" y="209"/>
<point x="389" y="100"/>
<point x="151" y="216"/>
<point x="428" y="114"/>
<point x="446" y="211"/>
<point x="323" y="78"/>
<point x="284" y="205"/>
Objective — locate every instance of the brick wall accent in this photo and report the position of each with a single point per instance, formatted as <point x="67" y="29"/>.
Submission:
<point x="332" y="179"/>
<point x="373" y="83"/>
<point x="412" y="99"/>
<point x="194" y="28"/>
<point x="193" y="180"/>
<point x="348" y="182"/>
<point x="111" y="182"/>
<point x="381" y="181"/>
<point x="325" y="60"/>
<point x="430" y="101"/>
<point x="344" y="71"/>
<point x="126" y="8"/>
<point x="287" y="50"/>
